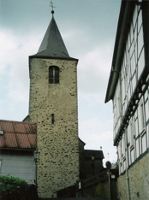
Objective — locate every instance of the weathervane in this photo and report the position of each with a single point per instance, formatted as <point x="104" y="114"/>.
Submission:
<point x="51" y="5"/>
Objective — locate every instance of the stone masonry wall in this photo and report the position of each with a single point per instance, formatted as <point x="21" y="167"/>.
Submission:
<point x="139" y="181"/>
<point x="58" y="165"/>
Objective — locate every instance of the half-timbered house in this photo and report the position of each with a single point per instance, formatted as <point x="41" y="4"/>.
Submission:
<point x="129" y="91"/>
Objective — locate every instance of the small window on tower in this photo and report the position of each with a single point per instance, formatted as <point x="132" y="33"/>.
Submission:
<point x="53" y="74"/>
<point x="52" y="118"/>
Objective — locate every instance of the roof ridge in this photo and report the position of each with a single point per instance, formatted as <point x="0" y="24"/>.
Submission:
<point x="13" y="121"/>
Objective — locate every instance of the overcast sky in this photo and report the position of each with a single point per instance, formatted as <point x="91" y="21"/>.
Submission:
<point x="88" y="28"/>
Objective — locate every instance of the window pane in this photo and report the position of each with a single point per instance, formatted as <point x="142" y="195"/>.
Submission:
<point x="56" y="75"/>
<point x="143" y="138"/>
<point x="53" y="74"/>
<point x="137" y="148"/>
<point x="132" y="156"/>
<point x="50" y="74"/>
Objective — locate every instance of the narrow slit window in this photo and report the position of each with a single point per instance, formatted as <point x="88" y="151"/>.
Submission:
<point x="53" y="74"/>
<point x="52" y="118"/>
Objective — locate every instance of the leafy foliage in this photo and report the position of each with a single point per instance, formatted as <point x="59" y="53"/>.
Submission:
<point x="102" y="190"/>
<point x="13" y="188"/>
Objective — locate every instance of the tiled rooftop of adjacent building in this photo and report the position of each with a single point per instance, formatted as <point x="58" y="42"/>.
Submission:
<point x="17" y="135"/>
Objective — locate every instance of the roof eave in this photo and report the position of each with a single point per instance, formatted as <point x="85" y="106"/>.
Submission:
<point x="17" y="149"/>
<point x="126" y="12"/>
<point x="53" y="57"/>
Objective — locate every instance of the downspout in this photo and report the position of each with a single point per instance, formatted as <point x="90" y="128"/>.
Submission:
<point x="127" y="166"/>
<point x="126" y="142"/>
<point x="125" y="137"/>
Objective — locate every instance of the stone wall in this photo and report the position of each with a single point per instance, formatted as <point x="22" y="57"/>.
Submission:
<point x="138" y="180"/>
<point x="58" y="165"/>
<point x="99" y="190"/>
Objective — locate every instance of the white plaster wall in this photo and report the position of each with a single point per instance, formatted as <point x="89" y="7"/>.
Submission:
<point x="17" y="165"/>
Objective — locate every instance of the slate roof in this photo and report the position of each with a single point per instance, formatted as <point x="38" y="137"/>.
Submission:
<point x="52" y="44"/>
<point x="18" y="135"/>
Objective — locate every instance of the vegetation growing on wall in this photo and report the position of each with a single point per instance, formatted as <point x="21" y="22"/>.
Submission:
<point x="102" y="190"/>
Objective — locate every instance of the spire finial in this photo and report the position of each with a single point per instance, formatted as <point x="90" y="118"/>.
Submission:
<point x="51" y="5"/>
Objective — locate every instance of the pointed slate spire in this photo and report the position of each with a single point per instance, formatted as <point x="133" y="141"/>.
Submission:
<point x="52" y="44"/>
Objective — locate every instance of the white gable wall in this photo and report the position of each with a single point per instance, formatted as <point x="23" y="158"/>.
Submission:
<point x="18" y="165"/>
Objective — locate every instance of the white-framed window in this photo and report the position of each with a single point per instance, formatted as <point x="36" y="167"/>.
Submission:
<point x="118" y="100"/>
<point x="132" y="155"/>
<point x="132" y="131"/>
<point x="136" y="126"/>
<point x="137" y="147"/>
<point x="147" y="109"/>
<point x="123" y="88"/>
<point x="120" y="150"/>
<point x="147" y="117"/>
<point x="141" y="117"/>
<point x="140" y="45"/>
<point x="124" y="164"/>
<point x="143" y="142"/>
<point x="129" y="132"/>
<point x="123" y="146"/>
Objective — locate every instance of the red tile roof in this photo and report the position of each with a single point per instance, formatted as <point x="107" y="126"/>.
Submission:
<point x="18" y="135"/>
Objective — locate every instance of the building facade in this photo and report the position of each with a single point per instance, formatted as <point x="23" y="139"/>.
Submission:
<point x="91" y="161"/>
<point x="53" y="106"/>
<point x="17" y="146"/>
<point x="51" y="127"/>
<point x="129" y="91"/>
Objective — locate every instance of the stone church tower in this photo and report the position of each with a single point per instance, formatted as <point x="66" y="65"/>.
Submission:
<point x="53" y="106"/>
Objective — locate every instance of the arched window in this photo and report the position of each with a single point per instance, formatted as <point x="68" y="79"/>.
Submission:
<point x="53" y="74"/>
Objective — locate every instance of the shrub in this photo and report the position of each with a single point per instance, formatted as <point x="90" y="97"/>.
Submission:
<point x="13" y="188"/>
<point x="102" y="190"/>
